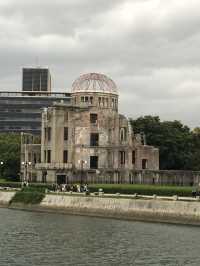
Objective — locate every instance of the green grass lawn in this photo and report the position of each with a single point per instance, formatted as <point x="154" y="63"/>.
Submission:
<point x="2" y="180"/>
<point x="143" y="189"/>
<point x="115" y="188"/>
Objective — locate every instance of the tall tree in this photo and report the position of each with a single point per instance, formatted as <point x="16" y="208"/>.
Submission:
<point x="174" y="140"/>
<point x="10" y="155"/>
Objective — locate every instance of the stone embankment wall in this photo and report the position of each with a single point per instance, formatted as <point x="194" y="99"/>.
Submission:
<point x="155" y="210"/>
<point x="5" y="197"/>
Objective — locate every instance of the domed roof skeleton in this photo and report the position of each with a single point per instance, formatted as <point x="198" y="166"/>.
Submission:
<point x="94" y="82"/>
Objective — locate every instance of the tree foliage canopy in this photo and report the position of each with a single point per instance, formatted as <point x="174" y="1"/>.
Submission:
<point x="179" y="146"/>
<point x="10" y="155"/>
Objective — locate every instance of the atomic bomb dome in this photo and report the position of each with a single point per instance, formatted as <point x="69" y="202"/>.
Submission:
<point x="94" y="82"/>
<point x="89" y="141"/>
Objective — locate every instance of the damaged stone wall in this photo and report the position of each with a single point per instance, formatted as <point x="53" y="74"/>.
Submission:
<point x="96" y="149"/>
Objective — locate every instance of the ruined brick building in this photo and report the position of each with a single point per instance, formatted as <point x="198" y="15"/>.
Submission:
<point x="87" y="140"/>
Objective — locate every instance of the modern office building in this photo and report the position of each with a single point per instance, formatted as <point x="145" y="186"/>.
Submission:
<point x="36" y="79"/>
<point x="21" y="111"/>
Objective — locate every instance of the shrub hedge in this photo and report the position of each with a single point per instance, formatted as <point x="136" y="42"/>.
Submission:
<point x="113" y="188"/>
<point x="10" y="184"/>
<point x="143" y="189"/>
<point x="31" y="185"/>
<point x="29" y="195"/>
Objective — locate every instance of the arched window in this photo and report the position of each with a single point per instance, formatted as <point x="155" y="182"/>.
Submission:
<point x="113" y="103"/>
<point x="123" y="134"/>
<point x="91" y="100"/>
<point x="103" y="101"/>
<point x="99" y="101"/>
<point x="106" y="102"/>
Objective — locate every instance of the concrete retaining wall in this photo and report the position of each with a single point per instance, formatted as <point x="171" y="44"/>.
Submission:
<point x="135" y="209"/>
<point x="155" y="210"/>
<point x="5" y="197"/>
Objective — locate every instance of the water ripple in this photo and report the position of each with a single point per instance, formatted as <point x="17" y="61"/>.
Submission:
<point x="53" y="239"/>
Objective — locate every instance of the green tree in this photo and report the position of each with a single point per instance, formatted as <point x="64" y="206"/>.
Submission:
<point x="195" y="153"/>
<point x="196" y="131"/>
<point x="10" y="155"/>
<point x="174" y="140"/>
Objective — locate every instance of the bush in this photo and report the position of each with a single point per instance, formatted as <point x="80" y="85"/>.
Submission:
<point x="10" y="184"/>
<point x="31" y="188"/>
<point x="41" y="186"/>
<point x="33" y="194"/>
<point x="143" y="189"/>
<point x="28" y="197"/>
<point x="37" y="186"/>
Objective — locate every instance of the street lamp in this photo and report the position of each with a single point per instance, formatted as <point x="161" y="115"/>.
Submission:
<point x="1" y="168"/>
<point x="26" y="165"/>
<point x="82" y="162"/>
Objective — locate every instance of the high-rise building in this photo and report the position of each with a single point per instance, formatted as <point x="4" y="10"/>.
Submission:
<point x="36" y="79"/>
<point x="21" y="112"/>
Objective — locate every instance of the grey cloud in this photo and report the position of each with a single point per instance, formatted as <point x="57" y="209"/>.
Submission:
<point x="50" y="17"/>
<point x="149" y="48"/>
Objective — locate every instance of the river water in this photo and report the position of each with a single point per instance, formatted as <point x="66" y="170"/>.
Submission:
<point x="40" y="239"/>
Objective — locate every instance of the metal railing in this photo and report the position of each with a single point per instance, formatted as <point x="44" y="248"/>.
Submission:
<point x="53" y="166"/>
<point x="33" y="94"/>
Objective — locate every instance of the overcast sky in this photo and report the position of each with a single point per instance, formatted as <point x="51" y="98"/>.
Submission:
<point x="150" y="48"/>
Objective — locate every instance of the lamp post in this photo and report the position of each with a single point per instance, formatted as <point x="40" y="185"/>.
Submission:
<point x="82" y="162"/>
<point x="26" y="165"/>
<point x="1" y="168"/>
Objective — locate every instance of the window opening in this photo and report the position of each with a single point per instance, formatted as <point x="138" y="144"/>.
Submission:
<point x="65" y="133"/>
<point x="94" y="139"/>
<point x="144" y="163"/>
<point x="93" y="118"/>
<point x="65" y="156"/>
<point x="93" y="162"/>
<point x="49" y="156"/>
<point x="133" y="157"/>
<point x="122" y="158"/>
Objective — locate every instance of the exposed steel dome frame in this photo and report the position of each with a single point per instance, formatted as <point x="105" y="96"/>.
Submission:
<point x="94" y="82"/>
